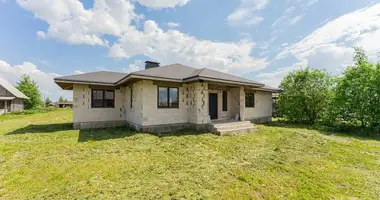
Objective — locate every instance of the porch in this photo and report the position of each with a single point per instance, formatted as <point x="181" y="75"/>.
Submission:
<point x="5" y="105"/>
<point x="231" y="127"/>
<point x="226" y="102"/>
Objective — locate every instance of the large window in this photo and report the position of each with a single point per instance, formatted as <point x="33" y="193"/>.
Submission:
<point x="103" y="98"/>
<point x="249" y="100"/>
<point x="167" y="97"/>
<point x="224" y="100"/>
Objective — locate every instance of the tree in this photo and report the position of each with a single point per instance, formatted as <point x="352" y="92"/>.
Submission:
<point x="306" y="94"/>
<point x="29" y="87"/>
<point x="61" y="99"/>
<point x="47" y="101"/>
<point x="358" y="92"/>
<point x="360" y="56"/>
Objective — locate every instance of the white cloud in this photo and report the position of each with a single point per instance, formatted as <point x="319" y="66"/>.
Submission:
<point x="44" y="80"/>
<point x="70" y="22"/>
<point x="246" y="14"/>
<point x="136" y="66"/>
<point x="158" y="4"/>
<point x="173" y="24"/>
<point x="330" y="47"/>
<point x="78" y="72"/>
<point x="173" y="46"/>
<point x="349" y="28"/>
<point x="295" y="19"/>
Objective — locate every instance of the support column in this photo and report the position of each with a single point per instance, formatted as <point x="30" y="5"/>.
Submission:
<point x="6" y="107"/>
<point x="242" y="103"/>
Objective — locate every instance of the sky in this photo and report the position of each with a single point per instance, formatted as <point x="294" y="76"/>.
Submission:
<point x="262" y="40"/>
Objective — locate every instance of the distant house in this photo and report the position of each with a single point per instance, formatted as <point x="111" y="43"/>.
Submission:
<point x="65" y="104"/>
<point x="168" y="98"/>
<point x="11" y="99"/>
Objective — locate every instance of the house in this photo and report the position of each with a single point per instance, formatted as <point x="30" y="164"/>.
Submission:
<point x="68" y="104"/>
<point x="11" y="99"/>
<point x="167" y="98"/>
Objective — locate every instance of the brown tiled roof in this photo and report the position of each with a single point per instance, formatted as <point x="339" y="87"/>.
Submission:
<point x="174" y="72"/>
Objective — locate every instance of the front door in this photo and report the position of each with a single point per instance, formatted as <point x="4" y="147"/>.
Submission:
<point x="213" y="105"/>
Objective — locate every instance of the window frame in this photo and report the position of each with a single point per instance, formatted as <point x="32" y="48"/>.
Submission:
<point x="168" y="97"/>
<point x="224" y="101"/>
<point x="104" y="98"/>
<point x="253" y="100"/>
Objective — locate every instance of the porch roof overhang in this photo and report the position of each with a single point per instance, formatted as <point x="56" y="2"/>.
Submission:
<point x="7" y="98"/>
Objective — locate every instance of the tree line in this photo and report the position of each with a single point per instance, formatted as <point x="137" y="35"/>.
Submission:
<point x="352" y="98"/>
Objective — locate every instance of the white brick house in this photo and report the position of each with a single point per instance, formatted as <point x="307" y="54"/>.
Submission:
<point x="166" y="98"/>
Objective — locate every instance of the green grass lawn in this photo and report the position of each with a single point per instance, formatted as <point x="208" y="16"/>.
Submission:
<point x="41" y="157"/>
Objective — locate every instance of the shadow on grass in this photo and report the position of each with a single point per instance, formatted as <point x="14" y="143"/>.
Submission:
<point x="42" y="128"/>
<point x="122" y="132"/>
<point x="93" y="134"/>
<point x="346" y="131"/>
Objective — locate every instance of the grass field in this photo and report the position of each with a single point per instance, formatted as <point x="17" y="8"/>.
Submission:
<point x="41" y="157"/>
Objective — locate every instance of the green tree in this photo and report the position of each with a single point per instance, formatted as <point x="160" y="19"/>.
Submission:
<point x="360" y="56"/>
<point x="47" y="101"/>
<point x="29" y="87"/>
<point x="306" y="94"/>
<point x="358" y="92"/>
<point x="61" y="99"/>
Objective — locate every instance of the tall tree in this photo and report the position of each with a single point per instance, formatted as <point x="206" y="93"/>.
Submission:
<point x="358" y="92"/>
<point x="61" y="99"/>
<point x="29" y="87"/>
<point x="47" y="101"/>
<point x="305" y="95"/>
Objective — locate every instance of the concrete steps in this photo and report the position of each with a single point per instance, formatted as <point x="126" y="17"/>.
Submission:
<point x="232" y="127"/>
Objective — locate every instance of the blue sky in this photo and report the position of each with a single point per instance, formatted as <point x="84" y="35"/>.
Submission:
<point x="261" y="40"/>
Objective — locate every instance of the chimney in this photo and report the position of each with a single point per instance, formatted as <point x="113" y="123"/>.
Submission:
<point x="151" y="64"/>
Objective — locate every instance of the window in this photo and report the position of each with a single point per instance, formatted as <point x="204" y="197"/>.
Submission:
<point x="224" y="100"/>
<point x="103" y="98"/>
<point x="167" y="97"/>
<point x="131" y="95"/>
<point x="249" y="100"/>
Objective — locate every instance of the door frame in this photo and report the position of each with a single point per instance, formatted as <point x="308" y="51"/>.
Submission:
<point x="216" y="105"/>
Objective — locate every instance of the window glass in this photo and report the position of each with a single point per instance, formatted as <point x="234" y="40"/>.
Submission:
<point x="163" y="97"/>
<point x="224" y="100"/>
<point x="173" y="97"/>
<point x="131" y="95"/>
<point x="109" y="99"/>
<point x="97" y="98"/>
<point x="103" y="99"/>
<point x="249" y="100"/>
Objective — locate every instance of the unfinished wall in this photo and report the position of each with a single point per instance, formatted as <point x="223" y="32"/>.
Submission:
<point x="263" y="106"/>
<point x="82" y="111"/>
<point x="134" y="112"/>
<point x="152" y="115"/>
<point x="198" y="103"/>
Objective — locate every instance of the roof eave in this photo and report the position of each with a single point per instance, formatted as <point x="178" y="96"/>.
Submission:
<point x="145" y="77"/>
<point x="195" y="78"/>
